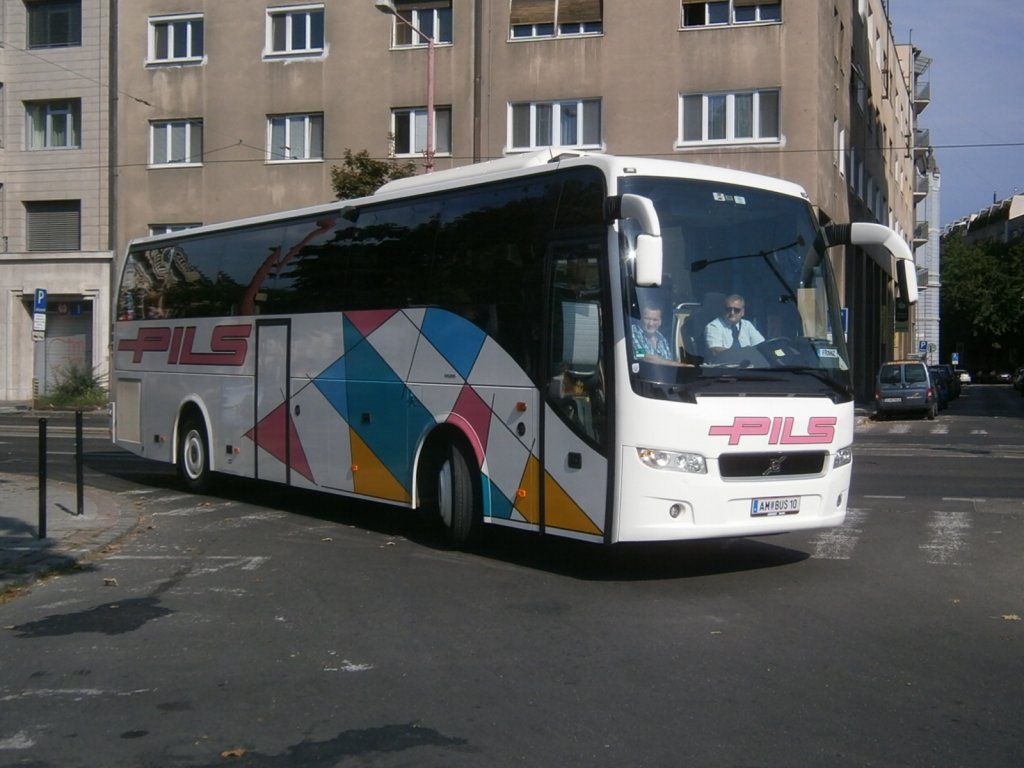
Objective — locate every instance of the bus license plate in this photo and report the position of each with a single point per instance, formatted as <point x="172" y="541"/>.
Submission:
<point x="778" y="505"/>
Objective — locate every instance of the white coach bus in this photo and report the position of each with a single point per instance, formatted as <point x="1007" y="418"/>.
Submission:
<point x="474" y="343"/>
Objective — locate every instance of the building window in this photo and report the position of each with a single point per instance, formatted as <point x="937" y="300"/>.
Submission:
<point x="555" y="18"/>
<point x="164" y="229"/>
<point x="295" y="137"/>
<point x="54" y="23"/>
<point x="705" y="13"/>
<point x="295" y="30"/>
<point x="729" y="117"/>
<point x="409" y="127"/>
<point x="555" y="123"/>
<point x="176" y="142"/>
<point x="53" y="225"/>
<point x="54" y="124"/>
<point x="432" y="19"/>
<point x="176" y="39"/>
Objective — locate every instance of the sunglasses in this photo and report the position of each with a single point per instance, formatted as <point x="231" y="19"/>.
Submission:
<point x="733" y="310"/>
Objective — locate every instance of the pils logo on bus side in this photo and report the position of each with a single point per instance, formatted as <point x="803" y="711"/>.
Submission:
<point x="228" y="344"/>
<point x="779" y="430"/>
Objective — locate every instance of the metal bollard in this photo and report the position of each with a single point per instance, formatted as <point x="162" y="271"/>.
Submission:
<point x="42" y="478"/>
<point x="79" y="481"/>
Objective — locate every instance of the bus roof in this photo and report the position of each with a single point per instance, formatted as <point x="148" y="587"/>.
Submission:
<point x="613" y="166"/>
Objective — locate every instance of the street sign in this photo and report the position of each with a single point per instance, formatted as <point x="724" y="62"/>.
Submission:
<point x="38" y="313"/>
<point x="922" y="345"/>
<point x="956" y="358"/>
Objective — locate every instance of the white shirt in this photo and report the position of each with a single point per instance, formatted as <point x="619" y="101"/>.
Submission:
<point x="719" y="334"/>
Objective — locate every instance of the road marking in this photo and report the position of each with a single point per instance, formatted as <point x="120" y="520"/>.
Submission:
<point x="839" y="543"/>
<point x="940" y="429"/>
<point x="947" y="537"/>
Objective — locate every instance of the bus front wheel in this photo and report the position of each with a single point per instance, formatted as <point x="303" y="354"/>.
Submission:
<point x="194" y="455"/>
<point x="455" y="496"/>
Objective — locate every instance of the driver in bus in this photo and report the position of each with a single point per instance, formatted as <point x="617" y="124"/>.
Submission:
<point x="730" y="330"/>
<point x="648" y="340"/>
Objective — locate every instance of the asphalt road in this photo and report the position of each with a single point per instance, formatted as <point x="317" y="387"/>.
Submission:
<point x="270" y="628"/>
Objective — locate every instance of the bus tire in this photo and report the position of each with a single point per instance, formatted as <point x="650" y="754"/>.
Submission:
<point x="194" y="455"/>
<point x="455" y="494"/>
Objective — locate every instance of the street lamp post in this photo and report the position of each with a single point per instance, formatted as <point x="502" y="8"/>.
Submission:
<point x="388" y="7"/>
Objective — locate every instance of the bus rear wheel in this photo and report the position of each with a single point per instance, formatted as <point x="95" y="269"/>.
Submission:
<point x="455" y="495"/>
<point x="194" y="456"/>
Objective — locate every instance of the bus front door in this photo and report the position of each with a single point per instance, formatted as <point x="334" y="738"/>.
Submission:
<point x="272" y="432"/>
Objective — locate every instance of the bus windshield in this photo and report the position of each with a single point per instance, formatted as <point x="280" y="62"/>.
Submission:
<point x="747" y="303"/>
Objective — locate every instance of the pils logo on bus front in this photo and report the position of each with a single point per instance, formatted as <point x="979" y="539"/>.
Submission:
<point x="780" y="430"/>
<point x="228" y="344"/>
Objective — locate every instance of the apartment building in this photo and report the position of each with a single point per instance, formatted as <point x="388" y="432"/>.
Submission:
<point x="56" y="252"/>
<point x="232" y="108"/>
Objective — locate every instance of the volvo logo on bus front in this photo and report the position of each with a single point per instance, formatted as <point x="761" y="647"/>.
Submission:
<point x="774" y="466"/>
<point x="780" y="430"/>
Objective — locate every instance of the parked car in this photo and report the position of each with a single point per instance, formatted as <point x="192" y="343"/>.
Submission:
<point x="954" y="380"/>
<point x="943" y="384"/>
<point x="1018" y="379"/>
<point x="964" y="376"/>
<point x="905" y="386"/>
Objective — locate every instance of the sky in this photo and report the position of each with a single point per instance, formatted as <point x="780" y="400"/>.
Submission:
<point x="976" y="115"/>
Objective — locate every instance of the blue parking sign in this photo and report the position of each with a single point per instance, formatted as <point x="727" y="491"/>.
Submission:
<point x="40" y="300"/>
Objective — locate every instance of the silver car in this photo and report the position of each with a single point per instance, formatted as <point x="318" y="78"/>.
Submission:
<point x="905" y="386"/>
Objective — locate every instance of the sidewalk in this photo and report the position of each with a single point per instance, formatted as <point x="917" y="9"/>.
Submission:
<point x="71" y="540"/>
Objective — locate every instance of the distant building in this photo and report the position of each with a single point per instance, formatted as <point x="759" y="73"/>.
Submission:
<point x="230" y="108"/>
<point x="1002" y="221"/>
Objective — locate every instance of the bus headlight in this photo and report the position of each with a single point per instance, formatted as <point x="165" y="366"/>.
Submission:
<point x="843" y="457"/>
<point x="677" y="462"/>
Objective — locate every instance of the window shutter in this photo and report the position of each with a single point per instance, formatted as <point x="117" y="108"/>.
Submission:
<point x="53" y="225"/>
<point x="533" y="12"/>
<point x="747" y="2"/>
<point x="578" y="11"/>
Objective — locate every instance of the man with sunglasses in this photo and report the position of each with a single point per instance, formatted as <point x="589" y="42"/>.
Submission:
<point x="731" y="331"/>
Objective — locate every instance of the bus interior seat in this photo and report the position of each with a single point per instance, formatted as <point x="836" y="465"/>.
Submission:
<point x="696" y="322"/>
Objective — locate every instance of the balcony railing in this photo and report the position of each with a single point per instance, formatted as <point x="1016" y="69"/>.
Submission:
<point x="921" y="232"/>
<point x="922" y="96"/>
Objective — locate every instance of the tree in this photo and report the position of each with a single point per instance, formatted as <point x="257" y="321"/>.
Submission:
<point x="361" y="175"/>
<point x="983" y="302"/>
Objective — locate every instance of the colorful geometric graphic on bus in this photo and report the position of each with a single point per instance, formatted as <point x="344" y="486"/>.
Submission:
<point x="269" y="434"/>
<point x="372" y="478"/>
<point x="454" y="337"/>
<point x="560" y="511"/>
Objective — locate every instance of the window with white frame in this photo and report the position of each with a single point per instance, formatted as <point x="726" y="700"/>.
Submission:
<point x="555" y="124"/>
<point x="409" y="128"/>
<point x="555" y="18"/>
<point x="706" y="13"/>
<point x="53" y="124"/>
<point x="176" y="39"/>
<point x="433" y="19"/>
<point x="176" y="142"/>
<point x="164" y="229"/>
<point x="292" y="138"/>
<point x="295" y="30"/>
<point x="745" y="116"/>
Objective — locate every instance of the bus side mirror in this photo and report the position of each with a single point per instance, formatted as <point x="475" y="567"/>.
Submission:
<point x="648" y="255"/>
<point x="867" y="234"/>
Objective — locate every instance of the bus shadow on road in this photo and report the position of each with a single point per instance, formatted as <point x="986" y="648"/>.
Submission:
<point x="566" y="557"/>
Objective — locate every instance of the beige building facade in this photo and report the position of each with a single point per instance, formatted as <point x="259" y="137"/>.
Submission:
<point x="55" y="213"/>
<point x="229" y="108"/>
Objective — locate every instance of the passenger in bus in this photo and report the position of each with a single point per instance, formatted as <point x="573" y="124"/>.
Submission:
<point x="730" y="330"/>
<point x="648" y="340"/>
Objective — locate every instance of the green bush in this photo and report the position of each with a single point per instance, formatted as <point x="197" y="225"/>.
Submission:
<point x="77" y="386"/>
